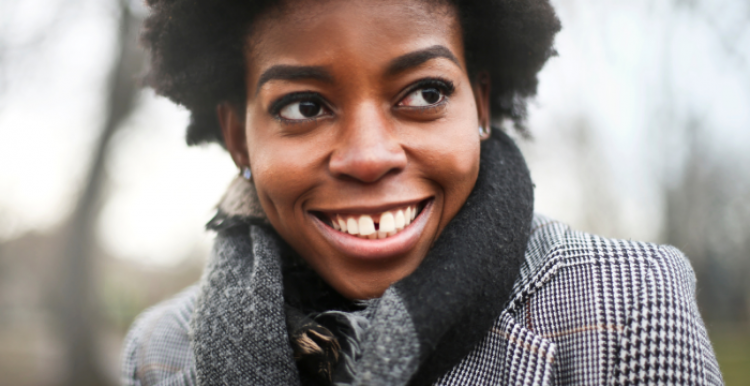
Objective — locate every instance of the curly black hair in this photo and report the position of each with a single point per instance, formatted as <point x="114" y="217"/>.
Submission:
<point x="197" y="57"/>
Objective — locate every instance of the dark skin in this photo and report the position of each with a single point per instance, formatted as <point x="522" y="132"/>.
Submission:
<point x="356" y="109"/>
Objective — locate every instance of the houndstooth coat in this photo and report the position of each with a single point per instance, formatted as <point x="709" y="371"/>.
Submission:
<point x="585" y="311"/>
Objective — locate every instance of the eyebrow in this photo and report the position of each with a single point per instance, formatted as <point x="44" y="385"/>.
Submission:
<point x="416" y="58"/>
<point x="397" y="65"/>
<point x="289" y="72"/>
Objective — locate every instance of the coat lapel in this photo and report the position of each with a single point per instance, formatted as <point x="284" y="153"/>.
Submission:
<point x="510" y="354"/>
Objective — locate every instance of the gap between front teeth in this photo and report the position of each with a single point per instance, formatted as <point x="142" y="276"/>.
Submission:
<point x="363" y="226"/>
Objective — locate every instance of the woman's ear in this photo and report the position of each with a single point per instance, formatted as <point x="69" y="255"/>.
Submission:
<point x="233" y="129"/>
<point x="481" y="88"/>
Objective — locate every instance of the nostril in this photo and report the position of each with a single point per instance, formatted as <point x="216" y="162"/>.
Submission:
<point x="367" y="165"/>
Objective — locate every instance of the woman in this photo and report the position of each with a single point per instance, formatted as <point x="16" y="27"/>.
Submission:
<point x="380" y="233"/>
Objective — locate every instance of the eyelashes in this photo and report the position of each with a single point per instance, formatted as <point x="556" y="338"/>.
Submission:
<point x="306" y="106"/>
<point x="309" y="98"/>
<point x="427" y="93"/>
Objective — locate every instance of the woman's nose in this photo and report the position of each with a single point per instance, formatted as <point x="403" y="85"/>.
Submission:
<point x="368" y="148"/>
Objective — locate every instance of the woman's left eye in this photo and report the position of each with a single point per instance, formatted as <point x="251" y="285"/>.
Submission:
<point x="423" y="97"/>
<point x="302" y="110"/>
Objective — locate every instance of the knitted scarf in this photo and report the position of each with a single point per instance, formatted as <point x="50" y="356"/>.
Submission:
<point x="264" y="318"/>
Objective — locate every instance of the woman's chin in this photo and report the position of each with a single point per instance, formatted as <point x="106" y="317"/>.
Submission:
<point x="364" y="292"/>
<point x="363" y="285"/>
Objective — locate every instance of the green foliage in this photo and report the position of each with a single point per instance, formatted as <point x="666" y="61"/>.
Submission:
<point x="732" y="346"/>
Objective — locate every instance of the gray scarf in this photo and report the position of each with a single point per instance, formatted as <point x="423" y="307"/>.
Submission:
<point x="418" y="330"/>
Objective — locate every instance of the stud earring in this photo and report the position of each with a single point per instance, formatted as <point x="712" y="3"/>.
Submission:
<point x="246" y="173"/>
<point x="482" y="131"/>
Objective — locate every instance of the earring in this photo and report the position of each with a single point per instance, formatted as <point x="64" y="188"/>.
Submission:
<point x="246" y="173"/>
<point x="482" y="131"/>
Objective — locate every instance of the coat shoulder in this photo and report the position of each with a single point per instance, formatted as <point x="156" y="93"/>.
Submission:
<point x="157" y="347"/>
<point x="606" y="304"/>
<point x="554" y="247"/>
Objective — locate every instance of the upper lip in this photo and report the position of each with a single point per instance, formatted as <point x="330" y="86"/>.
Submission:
<point x="373" y="209"/>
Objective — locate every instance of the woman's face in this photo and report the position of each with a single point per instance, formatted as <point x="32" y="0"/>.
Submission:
<point x="360" y="116"/>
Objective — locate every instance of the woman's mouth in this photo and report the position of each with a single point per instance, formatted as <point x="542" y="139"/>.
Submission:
<point x="377" y="234"/>
<point x="377" y="226"/>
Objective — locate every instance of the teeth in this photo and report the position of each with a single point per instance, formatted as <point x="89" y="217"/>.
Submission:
<point x="400" y="221"/>
<point x="387" y="222"/>
<point x="366" y="225"/>
<point x="352" y="227"/>
<point x="363" y="226"/>
<point x="342" y="223"/>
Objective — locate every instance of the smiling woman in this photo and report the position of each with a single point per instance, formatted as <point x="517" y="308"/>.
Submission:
<point x="381" y="233"/>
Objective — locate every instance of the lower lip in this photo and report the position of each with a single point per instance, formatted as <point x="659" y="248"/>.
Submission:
<point x="376" y="249"/>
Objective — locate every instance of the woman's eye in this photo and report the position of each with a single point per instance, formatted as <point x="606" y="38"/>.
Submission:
<point x="423" y="97"/>
<point x="302" y="110"/>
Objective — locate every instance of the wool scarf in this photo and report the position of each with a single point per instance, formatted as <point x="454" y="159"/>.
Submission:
<point x="263" y="317"/>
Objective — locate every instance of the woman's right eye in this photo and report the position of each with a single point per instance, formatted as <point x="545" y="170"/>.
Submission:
<point x="302" y="110"/>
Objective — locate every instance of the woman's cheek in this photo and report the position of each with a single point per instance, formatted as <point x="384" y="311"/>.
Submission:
<point x="285" y="170"/>
<point x="455" y="154"/>
<point x="275" y="180"/>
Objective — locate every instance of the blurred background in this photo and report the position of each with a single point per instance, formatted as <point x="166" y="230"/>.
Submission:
<point x="641" y="130"/>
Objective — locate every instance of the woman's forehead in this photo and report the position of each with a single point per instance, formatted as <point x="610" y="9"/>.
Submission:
<point x="359" y="32"/>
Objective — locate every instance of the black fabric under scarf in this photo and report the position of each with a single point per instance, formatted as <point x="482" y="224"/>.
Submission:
<point x="453" y="297"/>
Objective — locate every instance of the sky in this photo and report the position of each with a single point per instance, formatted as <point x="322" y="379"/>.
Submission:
<point x="608" y="123"/>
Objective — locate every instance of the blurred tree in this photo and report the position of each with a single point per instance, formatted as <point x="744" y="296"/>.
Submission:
<point x="707" y="197"/>
<point x="75" y="305"/>
<point x="77" y="310"/>
<point x="708" y="217"/>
